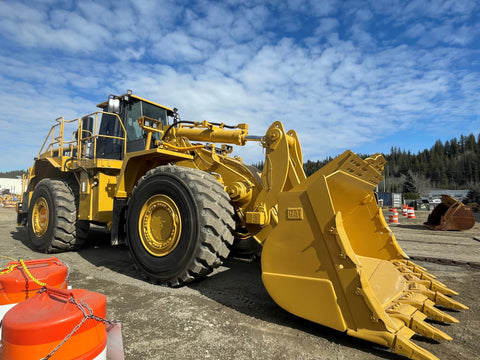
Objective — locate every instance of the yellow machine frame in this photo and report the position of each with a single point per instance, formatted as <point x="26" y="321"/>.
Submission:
<point x="328" y="253"/>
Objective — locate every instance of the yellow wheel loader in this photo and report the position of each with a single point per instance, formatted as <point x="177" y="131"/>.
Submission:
<point x="170" y="190"/>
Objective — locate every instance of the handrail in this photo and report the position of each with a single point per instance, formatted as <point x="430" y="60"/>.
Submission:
<point x="77" y="139"/>
<point x="52" y="132"/>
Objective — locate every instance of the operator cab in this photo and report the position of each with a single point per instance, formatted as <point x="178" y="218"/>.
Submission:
<point x="129" y="108"/>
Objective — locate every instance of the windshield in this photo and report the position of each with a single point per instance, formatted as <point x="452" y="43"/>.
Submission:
<point x="140" y="108"/>
<point x="154" y="112"/>
<point x="131" y="111"/>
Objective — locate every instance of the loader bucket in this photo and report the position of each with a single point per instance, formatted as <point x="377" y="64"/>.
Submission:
<point x="450" y="214"/>
<point x="332" y="259"/>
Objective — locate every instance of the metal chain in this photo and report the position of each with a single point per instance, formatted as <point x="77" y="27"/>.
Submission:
<point x="68" y="272"/>
<point x="87" y="314"/>
<point x="64" y="340"/>
<point x="84" y="307"/>
<point x="8" y="269"/>
<point x="19" y="263"/>
<point x="92" y="316"/>
<point x="38" y="282"/>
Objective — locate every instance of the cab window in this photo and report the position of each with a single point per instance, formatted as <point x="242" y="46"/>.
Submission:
<point x="132" y="112"/>
<point x="155" y="112"/>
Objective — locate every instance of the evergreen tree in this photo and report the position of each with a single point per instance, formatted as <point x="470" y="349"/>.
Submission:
<point x="448" y="148"/>
<point x="454" y="148"/>
<point x="470" y="143"/>
<point x="410" y="190"/>
<point x="454" y="164"/>
<point x="438" y="148"/>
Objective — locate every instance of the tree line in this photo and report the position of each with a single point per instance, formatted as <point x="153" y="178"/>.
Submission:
<point x="453" y="164"/>
<point x="12" y="174"/>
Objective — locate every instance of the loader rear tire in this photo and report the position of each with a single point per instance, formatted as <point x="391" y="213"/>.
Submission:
<point x="52" y="222"/>
<point x="179" y="223"/>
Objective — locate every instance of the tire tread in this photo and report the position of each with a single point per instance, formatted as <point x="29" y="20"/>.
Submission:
<point x="216" y="219"/>
<point x="69" y="233"/>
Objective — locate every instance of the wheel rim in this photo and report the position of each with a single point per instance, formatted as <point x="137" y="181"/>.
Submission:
<point x="40" y="217"/>
<point x="159" y="225"/>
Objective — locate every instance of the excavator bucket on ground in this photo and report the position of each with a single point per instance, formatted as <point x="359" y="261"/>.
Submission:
<point x="450" y="214"/>
<point x="332" y="259"/>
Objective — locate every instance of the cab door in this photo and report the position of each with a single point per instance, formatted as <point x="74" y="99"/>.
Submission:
<point x="130" y="114"/>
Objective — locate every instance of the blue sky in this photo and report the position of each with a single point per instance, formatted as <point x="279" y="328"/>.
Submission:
<point x="359" y="75"/>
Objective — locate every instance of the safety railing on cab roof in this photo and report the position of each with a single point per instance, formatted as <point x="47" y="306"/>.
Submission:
<point x="87" y="138"/>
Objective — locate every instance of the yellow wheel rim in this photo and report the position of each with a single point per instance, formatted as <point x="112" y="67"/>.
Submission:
<point x="159" y="225"/>
<point x="40" y="217"/>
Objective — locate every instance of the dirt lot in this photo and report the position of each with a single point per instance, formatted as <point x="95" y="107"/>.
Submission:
<point x="230" y="316"/>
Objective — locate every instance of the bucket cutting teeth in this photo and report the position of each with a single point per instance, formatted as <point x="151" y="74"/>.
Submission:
<point x="414" y="319"/>
<point x="436" y="286"/>
<point x="404" y="346"/>
<point x="411" y="264"/>
<point x="442" y="300"/>
<point x="437" y="297"/>
<point x="427" y="307"/>
<point x="439" y="287"/>
<point x="422" y="277"/>
<point x="427" y="330"/>
<point x="414" y="267"/>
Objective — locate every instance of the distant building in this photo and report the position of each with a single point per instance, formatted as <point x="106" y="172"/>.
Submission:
<point x="435" y="195"/>
<point x="390" y="199"/>
<point x="11" y="186"/>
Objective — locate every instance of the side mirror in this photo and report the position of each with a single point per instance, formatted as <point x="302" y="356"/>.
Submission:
<point x="113" y="106"/>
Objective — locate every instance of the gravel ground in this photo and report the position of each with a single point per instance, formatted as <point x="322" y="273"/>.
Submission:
<point x="421" y="243"/>
<point x="229" y="315"/>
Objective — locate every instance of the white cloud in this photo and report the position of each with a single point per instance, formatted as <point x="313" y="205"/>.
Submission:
<point x="363" y="15"/>
<point x="439" y="8"/>
<point x="60" y="30"/>
<point x="314" y="7"/>
<point x="416" y="30"/>
<point x="343" y="75"/>
<point x="230" y="60"/>
<point x="180" y="47"/>
<point x="326" y="25"/>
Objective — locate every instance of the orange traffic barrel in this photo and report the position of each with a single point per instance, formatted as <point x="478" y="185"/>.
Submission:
<point x="57" y="324"/>
<point x="405" y="210"/>
<point x="21" y="280"/>
<point x="411" y="212"/>
<point x="393" y="216"/>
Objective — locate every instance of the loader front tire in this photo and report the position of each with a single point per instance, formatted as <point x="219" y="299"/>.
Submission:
<point x="179" y="223"/>
<point x="52" y="223"/>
